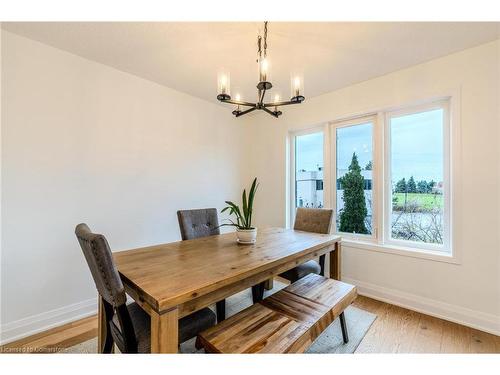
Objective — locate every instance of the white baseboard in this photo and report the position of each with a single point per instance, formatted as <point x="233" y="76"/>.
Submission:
<point x="41" y="322"/>
<point x="475" y="319"/>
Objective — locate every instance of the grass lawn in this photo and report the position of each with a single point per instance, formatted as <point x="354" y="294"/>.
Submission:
<point x="426" y="201"/>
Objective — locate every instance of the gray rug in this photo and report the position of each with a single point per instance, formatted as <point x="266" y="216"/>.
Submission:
<point x="330" y="341"/>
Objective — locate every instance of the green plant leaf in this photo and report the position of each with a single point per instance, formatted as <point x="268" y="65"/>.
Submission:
<point x="245" y="207"/>
<point x="237" y="212"/>
<point x="251" y="197"/>
<point x="243" y="215"/>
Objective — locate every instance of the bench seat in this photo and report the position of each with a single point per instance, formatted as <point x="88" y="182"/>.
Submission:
<point x="286" y="322"/>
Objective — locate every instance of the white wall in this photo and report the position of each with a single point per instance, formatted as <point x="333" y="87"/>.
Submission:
<point x="83" y="142"/>
<point x="468" y="292"/>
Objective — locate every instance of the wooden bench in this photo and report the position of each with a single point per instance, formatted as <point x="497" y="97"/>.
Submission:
<point x="286" y="322"/>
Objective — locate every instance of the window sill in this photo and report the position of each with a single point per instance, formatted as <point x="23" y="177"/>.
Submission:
<point x="437" y="256"/>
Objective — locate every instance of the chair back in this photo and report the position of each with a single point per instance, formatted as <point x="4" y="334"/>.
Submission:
<point x="315" y="220"/>
<point x="110" y="287"/>
<point x="198" y="223"/>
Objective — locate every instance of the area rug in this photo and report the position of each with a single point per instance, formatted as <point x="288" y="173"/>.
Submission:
<point x="330" y="341"/>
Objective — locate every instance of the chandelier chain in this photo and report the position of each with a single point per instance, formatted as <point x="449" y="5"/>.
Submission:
<point x="259" y="43"/>
<point x="265" y="39"/>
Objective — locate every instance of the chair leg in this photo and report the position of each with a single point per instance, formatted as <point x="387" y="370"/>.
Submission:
<point x="258" y="292"/>
<point x="220" y="308"/>
<point x="343" y="326"/>
<point x="108" y="344"/>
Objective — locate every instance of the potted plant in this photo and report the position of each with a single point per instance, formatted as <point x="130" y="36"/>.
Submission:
<point x="245" y="232"/>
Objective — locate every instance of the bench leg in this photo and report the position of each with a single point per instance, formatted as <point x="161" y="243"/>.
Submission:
<point x="343" y="326"/>
<point x="322" y="264"/>
<point x="258" y="292"/>
<point x="220" y="308"/>
<point x="269" y="284"/>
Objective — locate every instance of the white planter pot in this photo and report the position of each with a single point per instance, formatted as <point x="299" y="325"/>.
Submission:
<point x="246" y="236"/>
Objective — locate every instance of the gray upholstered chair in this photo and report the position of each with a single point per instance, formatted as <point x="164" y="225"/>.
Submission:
<point x="316" y="220"/>
<point x="199" y="223"/>
<point x="128" y="326"/>
<point x="204" y="222"/>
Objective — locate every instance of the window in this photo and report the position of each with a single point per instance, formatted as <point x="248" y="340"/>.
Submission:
<point x="416" y="177"/>
<point x="319" y="184"/>
<point x="308" y="170"/>
<point x="388" y="178"/>
<point x="354" y="167"/>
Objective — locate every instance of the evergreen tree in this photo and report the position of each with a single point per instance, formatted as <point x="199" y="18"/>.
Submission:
<point x="430" y="185"/>
<point x="422" y="187"/>
<point x="352" y="216"/>
<point x="400" y="186"/>
<point x="369" y="166"/>
<point x="412" y="186"/>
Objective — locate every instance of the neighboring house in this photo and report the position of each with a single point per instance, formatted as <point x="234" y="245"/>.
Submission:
<point x="438" y="188"/>
<point x="309" y="191"/>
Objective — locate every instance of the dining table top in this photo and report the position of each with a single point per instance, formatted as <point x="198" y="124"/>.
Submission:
<point x="172" y="273"/>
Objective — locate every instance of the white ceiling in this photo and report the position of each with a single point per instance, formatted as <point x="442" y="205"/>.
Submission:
<point x="187" y="56"/>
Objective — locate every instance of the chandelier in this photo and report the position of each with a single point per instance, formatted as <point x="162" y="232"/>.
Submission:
<point x="224" y="94"/>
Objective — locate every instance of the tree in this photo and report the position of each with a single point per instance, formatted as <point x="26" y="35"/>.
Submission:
<point x="412" y="186"/>
<point x="369" y="166"/>
<point x="400" y="186"/>
<point x="430" y="186"/>
<point x="422" y="187"/>
<point x="352" y="216"/>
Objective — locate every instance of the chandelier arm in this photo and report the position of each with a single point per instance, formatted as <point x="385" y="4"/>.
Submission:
<point x="270" y="112"/>
<point x="279" y="104"/>
<point x="245" y="112"/>
<point x="246" y="104"/>
<point x="261" y="96"/>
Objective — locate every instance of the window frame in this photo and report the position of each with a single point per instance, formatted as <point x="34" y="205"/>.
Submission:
<point x="333" y="126"/>
<point x="446" y="247"/>
<point x="452" y="137"/>
<point x="292" y="167"/>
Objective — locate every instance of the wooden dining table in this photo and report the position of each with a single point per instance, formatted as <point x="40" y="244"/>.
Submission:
<point x="170" y="281"/>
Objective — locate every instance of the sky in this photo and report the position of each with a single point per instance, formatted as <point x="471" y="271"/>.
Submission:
<point x="416" y="146"/>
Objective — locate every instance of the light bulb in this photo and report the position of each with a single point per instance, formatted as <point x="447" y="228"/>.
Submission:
<point x="277" y="98"/>
<point x="297" y="82"/>
<point x="297" y="85"/>
<point x="264" y="69"/>
<point x="223" y="83"/>
<point x="237" y="97"/>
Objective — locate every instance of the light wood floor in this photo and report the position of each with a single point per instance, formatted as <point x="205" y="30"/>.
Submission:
<point x="396" y="330"/>
<point x="399" y="330"/>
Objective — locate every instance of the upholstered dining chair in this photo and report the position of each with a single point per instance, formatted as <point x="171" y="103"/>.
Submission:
<point x="316" y="220"/>
<point x="199" y="223"/>
<point x="127" y="326"/>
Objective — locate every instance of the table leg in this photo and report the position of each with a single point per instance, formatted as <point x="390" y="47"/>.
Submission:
<point x="101" y="325"/>
<point x="165" y="331"/>
<point x="335" y="262"/>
